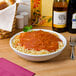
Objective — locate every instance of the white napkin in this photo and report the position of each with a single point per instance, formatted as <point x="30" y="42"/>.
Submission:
<point x="24" y="6"/>
<point x="7" y="17"/>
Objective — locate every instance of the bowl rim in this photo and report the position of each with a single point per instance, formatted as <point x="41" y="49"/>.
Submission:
<point x="60" y="50"/>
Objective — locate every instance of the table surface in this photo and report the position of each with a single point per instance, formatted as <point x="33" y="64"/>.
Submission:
<point x="62" y="65"/>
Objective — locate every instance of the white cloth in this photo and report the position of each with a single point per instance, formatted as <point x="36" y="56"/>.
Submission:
<point x="7" y="17"/>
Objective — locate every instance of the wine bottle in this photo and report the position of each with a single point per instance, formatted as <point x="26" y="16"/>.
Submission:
<point x="71" y="16"/>
<point x="59" y="15"/>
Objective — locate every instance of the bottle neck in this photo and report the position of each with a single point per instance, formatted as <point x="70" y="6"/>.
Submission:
<point x="60" y="0"/>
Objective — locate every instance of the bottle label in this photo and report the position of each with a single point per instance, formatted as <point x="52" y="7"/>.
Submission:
<point x="74" y="21"/>
<point x="59" y="19"/>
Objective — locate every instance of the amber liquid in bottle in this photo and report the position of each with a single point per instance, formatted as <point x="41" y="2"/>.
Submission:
<point x="59" y="15"/>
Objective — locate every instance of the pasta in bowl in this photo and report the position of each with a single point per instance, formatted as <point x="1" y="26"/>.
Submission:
<point x="38" y="44"/>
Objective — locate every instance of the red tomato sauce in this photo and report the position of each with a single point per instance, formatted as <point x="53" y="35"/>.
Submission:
<point x="39" y="40"/>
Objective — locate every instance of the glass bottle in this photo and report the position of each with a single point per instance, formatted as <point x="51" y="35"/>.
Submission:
<point x="71" y="16"/>
<point x="59" y="15"/>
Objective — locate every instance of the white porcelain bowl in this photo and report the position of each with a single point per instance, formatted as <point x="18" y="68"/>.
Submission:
<point x="40" y="57"/>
